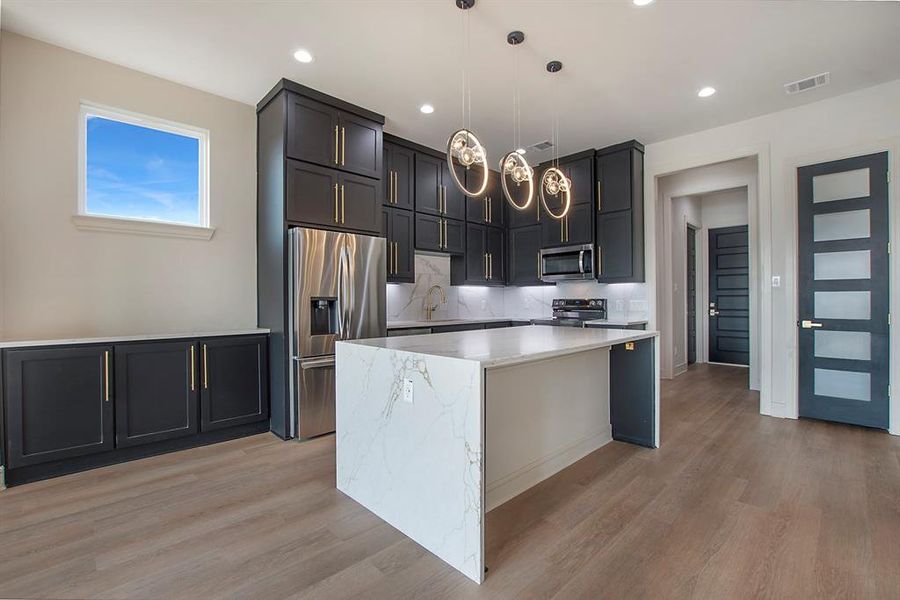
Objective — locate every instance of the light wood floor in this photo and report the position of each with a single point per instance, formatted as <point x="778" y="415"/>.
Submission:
<point x="733" y="505"/>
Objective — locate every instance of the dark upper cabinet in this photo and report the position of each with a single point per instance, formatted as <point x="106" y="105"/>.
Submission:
<point x="313" y="131"/>
<point x="322" y="196"/>
<point x="620" y="214"/>
<point x="324" y="135"/>
<point x="580" y="173"/>
<point x="525" y="255"/>
<point x="361" y="144"/>
<point x="156" y="391"/>
<point x="496" y="249"/>
<point x="233" y="382"/>
<point x="360" y="206"/>
<point x="398" y="228"/>
<point x="429" y="190"/>
<point x="398" y="176"/>
<point x="615" y="187"/>
<point x="454" y="198"/>
<point x="554" y="231"/>
<point x="429" y="233"/>
<point x="524" y="218"/>
<point x="454" y="236"/>
<point x="580" y="224"/>
<point x="488" y="208"/>
<point x="58" y="403"/>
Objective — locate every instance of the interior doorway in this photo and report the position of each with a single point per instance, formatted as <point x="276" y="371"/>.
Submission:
<point x="691" y="287"/>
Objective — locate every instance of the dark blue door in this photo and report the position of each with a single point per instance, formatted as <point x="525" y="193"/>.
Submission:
<point x="729" y="295"/>
<point x="843" y="290"/>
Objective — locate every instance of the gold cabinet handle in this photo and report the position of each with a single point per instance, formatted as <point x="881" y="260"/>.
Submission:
<point x="396" y="186"/>
<point x="396" y="257"/>
<point x="446" y="243"/>
<point x="193" y="384"/>
<point x="599" y="197"/>
<point x="336" y="204"/>
<point x="390" y="260"/>
<point x="390" y="197"/>
<point x="484" y="265"/>
<point x="336" y="145"/>
<point x="205" y="370"/>
<point x="343" y="145"/>
<point x="106" y="375"/>
<point x="342" y="203"/>
<point x="441" y="234"/>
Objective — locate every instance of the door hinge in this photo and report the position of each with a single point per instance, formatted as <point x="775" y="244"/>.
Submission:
<point x="889" y="318"/>
<point x="889" y="176"/>
<point x="889" y="247"/>
<point x="889" y="391"/>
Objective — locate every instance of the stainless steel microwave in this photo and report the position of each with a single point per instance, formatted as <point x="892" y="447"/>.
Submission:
<point x="567" y="263"/>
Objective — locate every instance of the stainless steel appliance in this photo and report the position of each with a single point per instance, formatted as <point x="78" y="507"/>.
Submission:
<point x="338" y="286"/>
<point x="567" y="263"/>
<point x="573" y="312"/>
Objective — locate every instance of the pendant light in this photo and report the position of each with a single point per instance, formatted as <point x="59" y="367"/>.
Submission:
<point x="513" y="165"/>
<point x="554" y="182"/>
<point x="463" y="147"/>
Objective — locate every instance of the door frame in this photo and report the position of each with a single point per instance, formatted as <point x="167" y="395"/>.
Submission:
<point x="699" y="304"/>
<point x="892" y="147"/>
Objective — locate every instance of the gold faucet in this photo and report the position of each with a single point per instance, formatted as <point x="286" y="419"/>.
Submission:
<point x="426" y="304"/>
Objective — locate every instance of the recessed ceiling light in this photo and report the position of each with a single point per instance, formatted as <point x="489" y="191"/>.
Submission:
<point x="303" y="56"/>
<point x="642" y="2"/>
<point x="706" y="92"/>
<point x="520" y="150"/>
<point x="426" y="109"/>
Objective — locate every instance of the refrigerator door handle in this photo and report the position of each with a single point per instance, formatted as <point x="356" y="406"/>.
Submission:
<point x="315" y="363"/>
<point x="345" y="293"/>
<point x="340" y="296"/>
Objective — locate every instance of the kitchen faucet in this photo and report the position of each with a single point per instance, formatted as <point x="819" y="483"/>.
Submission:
<point x="426" y="304"/>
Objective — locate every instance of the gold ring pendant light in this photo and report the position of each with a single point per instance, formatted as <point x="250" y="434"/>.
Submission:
<point x="554" y="182"/>
<point x="463" y="146"/>
<point x="514" y="166"/>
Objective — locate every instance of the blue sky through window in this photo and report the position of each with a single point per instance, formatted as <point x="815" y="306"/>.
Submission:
<point x="141" y="173"/>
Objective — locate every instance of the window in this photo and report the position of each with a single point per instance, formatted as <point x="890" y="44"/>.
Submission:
<point x="141" y="170"/>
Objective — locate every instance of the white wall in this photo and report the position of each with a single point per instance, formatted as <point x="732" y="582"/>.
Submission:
<point x="59" y="281"/>
<point x="686" y="210"/>
<point x="857" y="123"/>
<point x="727" y="208"/>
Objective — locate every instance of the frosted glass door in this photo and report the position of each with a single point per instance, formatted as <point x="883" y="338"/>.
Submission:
<point x="843" y="295"/>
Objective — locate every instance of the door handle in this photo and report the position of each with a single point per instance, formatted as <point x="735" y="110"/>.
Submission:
<point x="192" y="368"/>
<point x="343" y="145"/>
<point x="807" y="324"/>
<point x="336" y="145"/>
<point x="205" y="369"/>
<point x="713" y="312"/>
<point x="336" y="203"/>
<point x="106" y="375"/>
<point x="342" y="203"/>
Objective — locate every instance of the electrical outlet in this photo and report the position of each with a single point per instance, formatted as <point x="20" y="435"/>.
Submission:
<point x="408" y="390"/>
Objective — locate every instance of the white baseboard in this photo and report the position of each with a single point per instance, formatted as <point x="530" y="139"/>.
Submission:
<point x="679" y="369"/>
<point x="508" y="487"/>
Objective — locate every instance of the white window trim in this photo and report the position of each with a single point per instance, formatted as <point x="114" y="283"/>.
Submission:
<point x="92" y="222"/>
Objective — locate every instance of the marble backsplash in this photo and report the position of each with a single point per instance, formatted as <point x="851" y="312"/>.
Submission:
<point x="406" y="300"/>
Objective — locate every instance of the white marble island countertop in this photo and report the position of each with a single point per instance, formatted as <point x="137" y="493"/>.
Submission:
<point x="443" y="322"/>
<point x="509" y="346"/>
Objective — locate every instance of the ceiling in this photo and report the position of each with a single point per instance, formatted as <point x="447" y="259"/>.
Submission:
<point x="629" y="72"/>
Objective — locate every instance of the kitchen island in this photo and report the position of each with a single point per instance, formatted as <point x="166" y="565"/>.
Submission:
<point x="433" y="431"/>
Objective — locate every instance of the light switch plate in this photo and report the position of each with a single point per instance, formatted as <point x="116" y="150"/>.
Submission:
<point x="408" y="390"/>
<point x="776" y="280"/>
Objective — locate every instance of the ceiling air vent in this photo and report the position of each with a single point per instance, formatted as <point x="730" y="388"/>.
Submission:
<point x="795" y="87"/>
<point x="541" y="146"/>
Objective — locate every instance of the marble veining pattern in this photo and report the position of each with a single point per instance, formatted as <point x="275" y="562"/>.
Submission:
<point x="387" y="447"/>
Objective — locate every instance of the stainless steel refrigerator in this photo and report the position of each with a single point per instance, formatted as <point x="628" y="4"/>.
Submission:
<point x="338" y="287"/>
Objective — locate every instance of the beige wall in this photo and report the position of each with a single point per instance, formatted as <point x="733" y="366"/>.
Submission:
<point x="59" y="281"/>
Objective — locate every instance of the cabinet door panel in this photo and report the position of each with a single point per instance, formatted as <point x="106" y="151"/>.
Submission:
<point x="403" y="165"/>
<point x="614" y="177"/>
<point x="553" y="231"/>
<point x="156" y="392"/>
<point x="311" y="194"/>
<point x="454" y="198"/>
<point x="524" y="255"/>
<point x="360" y="206"/>
<point x="428" y="184"/>
<point x="580" y="224"/>
<point x="476" y="253"/>
<point x="58" y="403"/>
<point x="360" y="145"/>
<point x="581" y="177"/>
<point x="312" y="131"/>
<point x="454" y="236"/>
<point x="234" y="382"/>
<point x="496" y="249"/>
<point x="614" y="246"/>
<point x="402" y="225"/>
<point x="429" y="232"/>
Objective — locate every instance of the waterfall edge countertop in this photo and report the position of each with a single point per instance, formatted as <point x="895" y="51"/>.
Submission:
<point x="512" y="345"/>
<point x="121" y="339"/>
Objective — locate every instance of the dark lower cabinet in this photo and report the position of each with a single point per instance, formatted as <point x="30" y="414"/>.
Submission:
<point x="525" y="255"/>
<point x="398" y="229"/>
<point x="58" y="403"/>
<point x="483" y="261"/>
<point x="632" y="392"/>
<point x="234" y="387"/>
<point x="156" y="390"/>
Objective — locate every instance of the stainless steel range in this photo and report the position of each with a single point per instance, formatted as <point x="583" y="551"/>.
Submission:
<point x="573" y="312"/>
